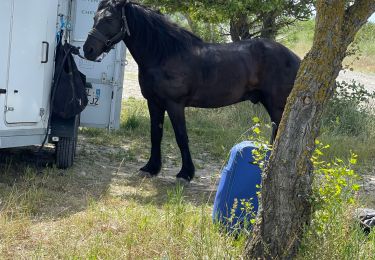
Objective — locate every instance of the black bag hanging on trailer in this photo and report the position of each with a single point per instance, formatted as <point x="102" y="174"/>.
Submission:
<point x="69" y="97"/>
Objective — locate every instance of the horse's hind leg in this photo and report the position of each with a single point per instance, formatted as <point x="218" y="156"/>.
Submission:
<point x="275" y="111"/>
<point x="157" y="120"/>
<point x="275" y="115"/>
<point x="177" y="116"/>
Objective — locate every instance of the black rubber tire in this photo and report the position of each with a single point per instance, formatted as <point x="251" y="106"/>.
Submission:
<point x="2" y="156"/>
<point x="66" y="148"/>
<point x="65" y="152"/>
<point x="76" y="130"/>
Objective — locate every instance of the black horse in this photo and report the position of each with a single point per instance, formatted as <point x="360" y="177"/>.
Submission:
<point x="177" y="70"/>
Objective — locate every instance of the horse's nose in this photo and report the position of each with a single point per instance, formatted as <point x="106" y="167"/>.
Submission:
<point x="87" y="50"/>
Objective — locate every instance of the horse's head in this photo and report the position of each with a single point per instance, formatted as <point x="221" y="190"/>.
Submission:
<point x="110" y="27"/>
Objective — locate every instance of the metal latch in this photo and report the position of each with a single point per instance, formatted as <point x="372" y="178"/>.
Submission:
<point x="9" y="109"/>
<point x="124" y="62"/>
<point x="104" y="78"/>
<point x="3" y="91"/>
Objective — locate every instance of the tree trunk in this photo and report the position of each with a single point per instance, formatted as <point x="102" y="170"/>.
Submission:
<point x="239" y="28"/>
<point x="269" y="29"/>
<point x="286" y="185"/>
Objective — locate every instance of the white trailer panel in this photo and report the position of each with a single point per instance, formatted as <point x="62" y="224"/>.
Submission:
<point x="30" y="61"/>
<point x="27" y="28"/>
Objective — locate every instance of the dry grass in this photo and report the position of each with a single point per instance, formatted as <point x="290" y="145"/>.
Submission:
<point x="101" y="208"/>
<point x="115" y="228"/>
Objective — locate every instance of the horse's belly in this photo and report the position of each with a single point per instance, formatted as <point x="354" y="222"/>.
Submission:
<point x="214" y="100"/>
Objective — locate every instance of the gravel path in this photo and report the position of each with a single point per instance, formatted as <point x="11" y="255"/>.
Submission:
<point x="368" y="80"/>
<point x="131" y="85"/>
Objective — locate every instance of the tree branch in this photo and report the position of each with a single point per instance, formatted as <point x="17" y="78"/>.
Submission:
<point x="355" y="16"/>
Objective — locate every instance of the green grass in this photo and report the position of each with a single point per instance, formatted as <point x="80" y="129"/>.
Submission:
<point x="114" y="228"/>
<point x="341" y="237"/>
<point x="212" y="131"/>
<point x="299" y="38"/>
<point x="101" y="209"/>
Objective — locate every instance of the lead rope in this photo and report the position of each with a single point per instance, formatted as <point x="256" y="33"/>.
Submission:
<point x="83" y="58"/>
<point x="60" y="32"/>
<point x="75" y="51"/>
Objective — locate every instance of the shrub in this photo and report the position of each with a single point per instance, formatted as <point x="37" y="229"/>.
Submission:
<point x="348" y="112"/>
<point x="333" y="233"/>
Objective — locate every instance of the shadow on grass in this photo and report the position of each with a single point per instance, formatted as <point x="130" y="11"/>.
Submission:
<point x="30" y="183"/>
<point x="107" y="164"/>
<point x="156" y="191"/>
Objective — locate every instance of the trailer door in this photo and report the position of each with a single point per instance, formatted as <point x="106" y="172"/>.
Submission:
<point x="32" y="44"/>
<point x="106" y="77"/>
<point x="5" y="25"/>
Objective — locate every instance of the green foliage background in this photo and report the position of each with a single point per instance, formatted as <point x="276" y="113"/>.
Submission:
<point x="211" y="19"/>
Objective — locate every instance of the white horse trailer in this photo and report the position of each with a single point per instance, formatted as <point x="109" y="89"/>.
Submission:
<point x="28" y="31"/>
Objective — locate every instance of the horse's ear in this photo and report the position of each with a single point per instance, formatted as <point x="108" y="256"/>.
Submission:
<point x="117" y="3"/>
<point x="123" y="2"/>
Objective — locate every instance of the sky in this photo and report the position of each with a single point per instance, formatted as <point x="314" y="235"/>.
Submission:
<point x="372" y="18"/>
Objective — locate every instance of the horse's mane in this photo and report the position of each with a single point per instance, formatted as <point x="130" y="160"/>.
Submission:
<point x="156" y="34"/>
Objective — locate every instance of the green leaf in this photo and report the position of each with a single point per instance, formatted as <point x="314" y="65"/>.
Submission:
<point x="353" y="161"/>
<point x="356" y="187"/>
<point x="256" y="120"/>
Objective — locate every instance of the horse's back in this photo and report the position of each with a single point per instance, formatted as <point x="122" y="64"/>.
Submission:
<point x="273" y="54"/>
<point x="260" y="57"/>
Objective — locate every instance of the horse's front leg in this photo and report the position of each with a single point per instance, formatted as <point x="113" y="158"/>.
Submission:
<point x="177" y="116"/>
<point x="157" y="112"/>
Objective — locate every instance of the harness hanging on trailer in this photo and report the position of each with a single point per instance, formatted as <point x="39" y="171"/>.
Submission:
<point x="69" y="96"/>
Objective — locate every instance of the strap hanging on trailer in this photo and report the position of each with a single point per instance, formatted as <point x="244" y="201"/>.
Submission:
<point x="69" y="91"/>
<point x="68" y="97"/>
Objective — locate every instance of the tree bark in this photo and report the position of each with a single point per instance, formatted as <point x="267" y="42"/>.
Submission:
<point x="269" y="29"/>
<point x="287" y="182"/>
<point x="240" y="28"/>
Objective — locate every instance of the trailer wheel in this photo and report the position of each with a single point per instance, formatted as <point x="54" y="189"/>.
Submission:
<point x="76" y="129"/>
<point x="66" y="148"/>
<point x="65" y="152"/>
<point x="2" y="156"/>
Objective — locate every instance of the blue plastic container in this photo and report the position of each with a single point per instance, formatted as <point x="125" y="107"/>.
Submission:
<point x="240" y="180"/>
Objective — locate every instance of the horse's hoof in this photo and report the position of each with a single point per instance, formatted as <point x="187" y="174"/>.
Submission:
<point x="144" y="174"/>
<point x="152" y="170"/>
<point x="185" y="176"/>
<point x="182" y="182"/>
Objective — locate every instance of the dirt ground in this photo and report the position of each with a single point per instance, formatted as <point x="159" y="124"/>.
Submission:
<point x="132" y="90"/>
<point x="101" y="171"/>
